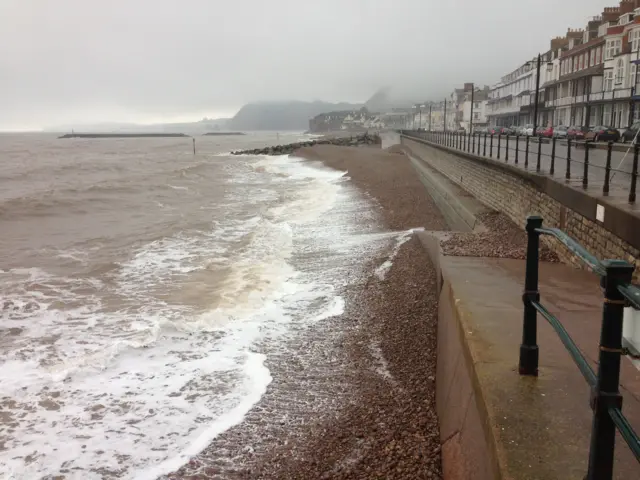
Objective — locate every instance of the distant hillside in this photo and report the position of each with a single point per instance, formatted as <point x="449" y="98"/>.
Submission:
<point x="282" y="115"/>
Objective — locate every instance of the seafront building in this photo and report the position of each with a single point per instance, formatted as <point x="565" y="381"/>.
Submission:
<point x="588" y="77"/>
<point x="461" y="110"/>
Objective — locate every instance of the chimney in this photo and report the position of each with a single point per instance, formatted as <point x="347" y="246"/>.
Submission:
<point x="610" y="14"/>
<point x="627" y="6"/>
<point x="468" y="87"/>
<point x="559" y="42"/>
<point x="575" y="33"/>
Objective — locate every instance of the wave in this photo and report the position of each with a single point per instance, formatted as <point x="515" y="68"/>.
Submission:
<point x="162" y="352"/>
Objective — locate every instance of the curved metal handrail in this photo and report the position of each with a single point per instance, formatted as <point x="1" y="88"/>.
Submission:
<point x="631" y="293"/>
<point x="574" y="247"/>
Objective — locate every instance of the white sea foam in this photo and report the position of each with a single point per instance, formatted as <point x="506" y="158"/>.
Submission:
<point x="136" y="372"/>
<point x="402" y="238"/>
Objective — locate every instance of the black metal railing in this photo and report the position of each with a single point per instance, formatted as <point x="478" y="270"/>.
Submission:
<point x="596" y="170"/>
<point x="606" y="400"/>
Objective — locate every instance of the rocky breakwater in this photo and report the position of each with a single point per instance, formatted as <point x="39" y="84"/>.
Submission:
<point x="353" y="141"/>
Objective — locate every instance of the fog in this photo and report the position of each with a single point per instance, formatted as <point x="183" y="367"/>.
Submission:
<point x="163" y="60"/>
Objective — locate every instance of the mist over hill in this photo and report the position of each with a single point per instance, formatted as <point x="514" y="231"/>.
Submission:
<point x="286" y="115"/>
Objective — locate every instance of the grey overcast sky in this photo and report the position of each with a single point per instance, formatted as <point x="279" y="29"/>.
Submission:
<point x="85" y="61"/>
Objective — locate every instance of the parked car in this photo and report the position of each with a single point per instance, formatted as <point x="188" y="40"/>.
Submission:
<point x="507" y="131"/>
<point x="528" y="130"/>
<point x="601" y="133"/>
<point x="560" y="131"/>
<point x="575" y="133"/>
<point x="546" y="132"/>
<point x="493" y="130"/>
<point x="631" y="133"/>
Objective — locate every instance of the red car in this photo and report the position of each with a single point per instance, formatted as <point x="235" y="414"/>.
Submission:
<point x="575" y="133"/>
<point x="494" y="130"/>
<point x="546" y="132"/>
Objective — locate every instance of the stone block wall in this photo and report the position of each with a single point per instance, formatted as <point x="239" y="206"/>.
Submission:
<point x="517" y="195"/>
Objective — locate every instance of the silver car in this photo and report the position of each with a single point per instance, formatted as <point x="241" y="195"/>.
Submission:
<point x="560" y="131"/>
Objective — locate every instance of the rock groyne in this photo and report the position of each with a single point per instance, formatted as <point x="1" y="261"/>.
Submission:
<point x="122" y="135"/>
<point x="353" y="141"/>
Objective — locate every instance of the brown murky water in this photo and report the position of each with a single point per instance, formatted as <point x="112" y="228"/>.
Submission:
<point x="142" y="288"/>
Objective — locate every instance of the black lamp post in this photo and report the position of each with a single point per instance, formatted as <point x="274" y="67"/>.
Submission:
<point x="632" y="109"/>
<point x="444" y="120"/>
<point x="471" y="114"/>
<point x="537" y="96"/>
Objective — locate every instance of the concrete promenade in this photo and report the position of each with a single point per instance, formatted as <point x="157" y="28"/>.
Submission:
<point x="495" y="423"/>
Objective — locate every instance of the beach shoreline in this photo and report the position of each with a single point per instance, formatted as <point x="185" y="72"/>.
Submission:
<point x="354" y="396"/>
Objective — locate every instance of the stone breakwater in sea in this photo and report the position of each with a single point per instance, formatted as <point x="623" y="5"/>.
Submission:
<point x="353" y="141"/>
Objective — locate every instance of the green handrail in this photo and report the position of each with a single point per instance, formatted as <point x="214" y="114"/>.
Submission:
<point x="626" y="430"/>
<point x="575" y="248"/>
<point x="574" y="351"/>
<point x="631" y="293"/>
<point x="606" y="399"/>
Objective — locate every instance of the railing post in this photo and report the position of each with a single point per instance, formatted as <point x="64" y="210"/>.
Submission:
<point x="484" y="150"/>
<point x="538" y="166"/>
<point x="585" y="173"/>
<point x="607" y="171"/>
<point x="491" y="146"/>
<point x="506" y="147"/>
<point x="634" y="175"/>
<point x="473" y="143"/>
<point x="528" y="364"/>
<point x="567" y="174"/>
<point x="552" y="170"/>
<point x="499" y="138"/>
<point x="526" y="153"/>
<point x="605" y="394"/>
<point x="517" y="148"/>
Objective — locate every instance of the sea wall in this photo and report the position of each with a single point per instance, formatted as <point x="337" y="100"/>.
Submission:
<point x="519" y="193"/>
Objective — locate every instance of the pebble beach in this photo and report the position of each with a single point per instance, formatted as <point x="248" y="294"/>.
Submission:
<point x="355" y="396"/>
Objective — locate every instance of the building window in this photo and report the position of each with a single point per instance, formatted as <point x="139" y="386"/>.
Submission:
<point x="608" y="80"/>
<point x="592" y="57"/>
<point x="476" y="115"/>
<point x="607" y="114"/>
<point x="476" y="105"/>
<point x="632" y="74"/>
<point x="613" y="48"/>
<point x="634" y="39"/>
<point x="620" y="72"/>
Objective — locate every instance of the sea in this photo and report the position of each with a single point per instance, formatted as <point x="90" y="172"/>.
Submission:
<point x="143" y="287"/>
